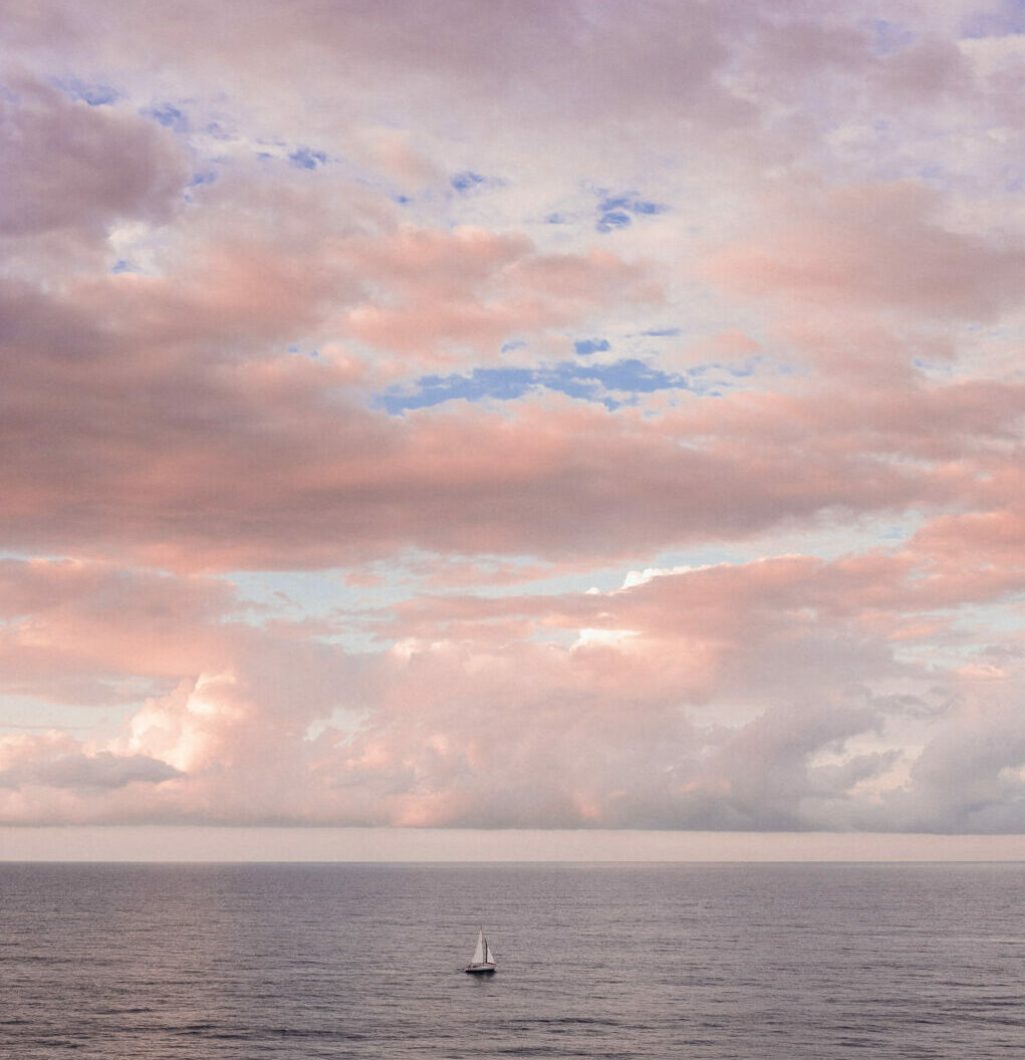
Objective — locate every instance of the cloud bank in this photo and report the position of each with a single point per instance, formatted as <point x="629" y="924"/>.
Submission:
<point x="512" y="416"/>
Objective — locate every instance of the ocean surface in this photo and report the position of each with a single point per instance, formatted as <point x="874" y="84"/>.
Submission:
<point x="298" y="962"/>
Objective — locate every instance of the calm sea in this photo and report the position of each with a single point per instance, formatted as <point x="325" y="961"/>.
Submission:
<point x="298" y="962"/>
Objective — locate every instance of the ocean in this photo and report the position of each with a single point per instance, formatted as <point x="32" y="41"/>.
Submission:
<point x="298" y="962"/>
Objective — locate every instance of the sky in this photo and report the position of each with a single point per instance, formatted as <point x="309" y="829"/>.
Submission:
<point x="454" y="427"/>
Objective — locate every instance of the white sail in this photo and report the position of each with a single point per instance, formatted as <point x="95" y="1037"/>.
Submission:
<point x="488" y="956"/>
<point x="481" y="948"/>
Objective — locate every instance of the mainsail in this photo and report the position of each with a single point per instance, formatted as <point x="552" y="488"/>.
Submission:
<point x="480" y="953"/>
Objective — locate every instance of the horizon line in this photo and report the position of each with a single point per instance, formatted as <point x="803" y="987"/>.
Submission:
<point x="358" y="845"/>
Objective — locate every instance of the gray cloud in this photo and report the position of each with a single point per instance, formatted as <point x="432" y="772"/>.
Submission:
<point x="67" y="165"/>
<point x="82" y="772"/>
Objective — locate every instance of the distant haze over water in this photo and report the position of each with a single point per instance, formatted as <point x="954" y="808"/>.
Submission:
<point x="169" y="843"/>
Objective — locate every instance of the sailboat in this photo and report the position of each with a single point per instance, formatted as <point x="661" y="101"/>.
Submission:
<point x="483" y="962"/>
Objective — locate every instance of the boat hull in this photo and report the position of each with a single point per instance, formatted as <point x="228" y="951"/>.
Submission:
<point x="480" y="969"/>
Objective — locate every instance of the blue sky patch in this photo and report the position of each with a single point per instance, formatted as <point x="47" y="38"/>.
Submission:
<point x="169" y="116"/>
<point x="639" y="206"/>
<point x="609" y="222"/>
<point x="618" y="211"/>
<point x="585" y="347"/>
<point x="1008" y="18"/>
<point x="890" y="37"/>
<point x="307" y="158"/>
<point x="612" y="384"/>
<point x="467" y="181"/>
<point x="96" y="95"/>
<point x="218" y="131"/>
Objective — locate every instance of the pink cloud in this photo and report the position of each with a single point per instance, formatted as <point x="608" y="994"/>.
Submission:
<point x="676" y="710"/>
<point x="167" y="402"/>
<point x="473" y="288"/>
<point x="264" y="470"/>
<point x="877" y="246"/>
<point x="82" y="631"/>
<point x="453" y="49"/>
